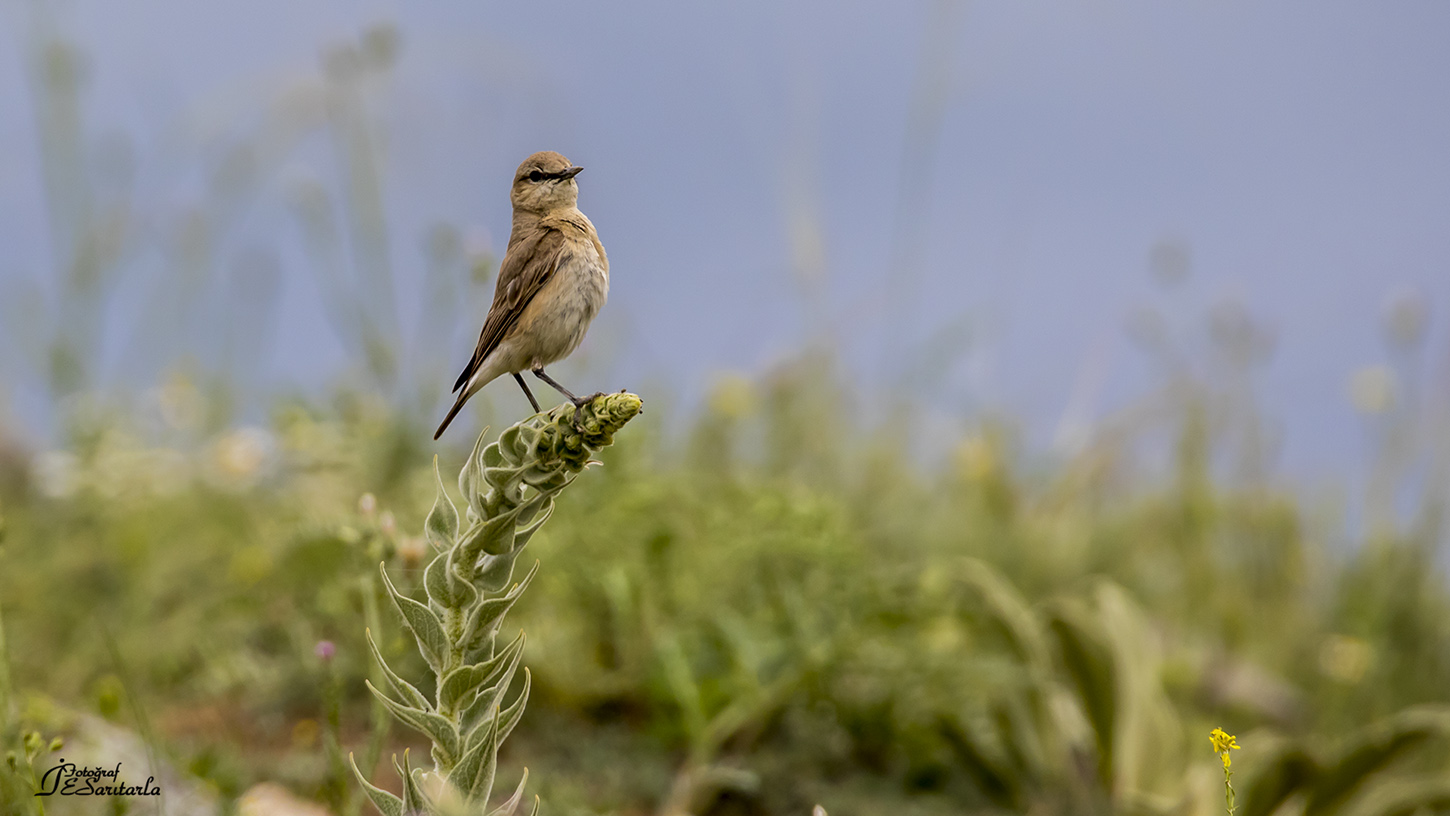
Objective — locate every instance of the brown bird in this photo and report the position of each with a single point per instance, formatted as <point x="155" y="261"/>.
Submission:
<point x="553" y="281"/>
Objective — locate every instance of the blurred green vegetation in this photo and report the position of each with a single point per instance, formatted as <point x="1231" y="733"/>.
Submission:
<point x="778" y="608"/>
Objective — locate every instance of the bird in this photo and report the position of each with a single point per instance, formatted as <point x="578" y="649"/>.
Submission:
<point x="553" y="280"/>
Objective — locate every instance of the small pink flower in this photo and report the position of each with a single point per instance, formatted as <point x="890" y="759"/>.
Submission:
<point x="324" y="650"/>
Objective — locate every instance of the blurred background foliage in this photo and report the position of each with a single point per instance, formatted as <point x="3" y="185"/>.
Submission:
<point x="779" y="607"/>
<point x="782" y="599"/>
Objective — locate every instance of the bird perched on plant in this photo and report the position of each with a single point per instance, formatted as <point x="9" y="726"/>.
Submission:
<point x="553" y="280"/>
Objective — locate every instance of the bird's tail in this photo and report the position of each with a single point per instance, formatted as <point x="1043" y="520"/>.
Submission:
<point x="452" y="412"/>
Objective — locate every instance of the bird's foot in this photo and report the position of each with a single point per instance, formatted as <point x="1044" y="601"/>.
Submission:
<point x="579" y="403"/>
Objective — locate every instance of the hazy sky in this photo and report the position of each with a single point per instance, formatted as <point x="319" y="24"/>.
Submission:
<point x="1300" y="150"/>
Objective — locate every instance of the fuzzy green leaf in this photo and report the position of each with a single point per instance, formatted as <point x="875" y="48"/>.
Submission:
<point x="462" y="683"/>
<point x="493" y="536"/>
<point x="511" y="446"/>
<point x="522" y="514"/>
<point x="515" y="711"/>
<point x="491" y="456"/>
<point x="401" y="687"/>
<point x="486" y="617"/>
<point x="545" y="478"/>
<point x="414" y="803"/>
<point x="508" y="808"/>
<point x="473" y="775"/>
<point x="469" y="482"/>
<point x="446" y="590"/>
<point x="505" y="479"/>
<point x="539" y="503"/>
<point x="386" y="803"/>
<point x="423" y="623"/>
<point x="488" y="701"/>
<point x="494" y="574"/>
<point x="441" y="525"/>
<point x="435" y="727"/>
<point x="435" y="583"/>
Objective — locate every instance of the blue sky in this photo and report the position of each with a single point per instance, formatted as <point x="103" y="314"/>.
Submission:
<point x="1301" y="150"/>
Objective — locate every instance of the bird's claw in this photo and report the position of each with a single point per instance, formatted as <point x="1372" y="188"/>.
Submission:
<point x="579" y="403"/>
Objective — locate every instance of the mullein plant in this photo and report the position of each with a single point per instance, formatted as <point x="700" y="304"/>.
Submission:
<point x="509" y="486"/>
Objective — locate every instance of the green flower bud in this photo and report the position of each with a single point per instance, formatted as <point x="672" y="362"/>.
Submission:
<point x="598" y="422"/>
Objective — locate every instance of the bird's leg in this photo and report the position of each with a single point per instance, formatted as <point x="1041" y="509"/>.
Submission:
<point x="527" y="392"/>
<point x="539" y="372"/>
<point x="579" y="402"/>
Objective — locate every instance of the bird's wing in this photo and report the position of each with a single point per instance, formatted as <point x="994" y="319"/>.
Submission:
<point x="526" y="268"/>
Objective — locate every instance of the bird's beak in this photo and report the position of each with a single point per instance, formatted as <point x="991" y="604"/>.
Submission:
<point x="570" y="173"/>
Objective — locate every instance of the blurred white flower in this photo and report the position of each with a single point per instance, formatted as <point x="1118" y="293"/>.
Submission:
<point x="240" y="455"/>
<point x="57" y="473"/>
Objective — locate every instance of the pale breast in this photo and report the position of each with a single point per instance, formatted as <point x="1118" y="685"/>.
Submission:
<point x="554" y="322"/>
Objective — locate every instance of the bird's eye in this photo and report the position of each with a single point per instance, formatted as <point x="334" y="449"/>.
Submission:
<point x="536" y="176"/>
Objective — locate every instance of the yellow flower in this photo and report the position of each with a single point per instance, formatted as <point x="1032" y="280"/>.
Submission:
<point x="1222" y="743"/>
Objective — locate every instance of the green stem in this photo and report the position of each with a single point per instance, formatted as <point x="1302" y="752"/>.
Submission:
<point x="381" y="721"/>
<point x="138" y="712"/>
<point x="337" y="788"/>
<point x="35" y="786"/>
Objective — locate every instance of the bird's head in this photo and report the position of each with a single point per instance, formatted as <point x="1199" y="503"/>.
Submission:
<point x="545" y="182"/>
